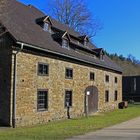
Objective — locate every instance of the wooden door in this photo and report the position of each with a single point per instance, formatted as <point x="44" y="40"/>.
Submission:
<point x="92" y="99"/>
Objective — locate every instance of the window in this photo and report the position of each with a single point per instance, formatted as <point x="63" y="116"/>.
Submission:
<point x="68" y="98"/>
<point x="106" y="96"/>
<point x="116" y="96"/>
<point x="135" y="84"/>
<point x="69" y="73"/>
<point x="43" y="69"/>
<point x="65" y="43"/>
<point x="116" y="80"/>
<point x="42" y="100"/>
<point x="47" y="27"/>
<point x="85" y="43"/>
<point x="92" y="76"/>
<point x="107" y="78"/>
<point x="101" y="57"/>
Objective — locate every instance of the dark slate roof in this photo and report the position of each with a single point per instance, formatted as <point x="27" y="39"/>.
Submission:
<point x="20" y="21"/>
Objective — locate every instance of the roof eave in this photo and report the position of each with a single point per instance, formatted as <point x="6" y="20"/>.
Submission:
<point x="68" y="56"/>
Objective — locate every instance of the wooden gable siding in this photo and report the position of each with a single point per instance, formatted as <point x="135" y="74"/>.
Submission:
<point x="5" y="80"/>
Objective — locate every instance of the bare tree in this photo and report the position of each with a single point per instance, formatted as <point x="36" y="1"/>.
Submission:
<point x="76" y="15"/>
<point x="132" y="59"/>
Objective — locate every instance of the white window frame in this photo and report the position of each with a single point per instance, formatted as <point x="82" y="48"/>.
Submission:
<point x="64" y="44"/>
<point x="46" y="27"/>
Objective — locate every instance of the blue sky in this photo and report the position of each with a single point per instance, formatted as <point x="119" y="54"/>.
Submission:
<point x="121" y="24"/>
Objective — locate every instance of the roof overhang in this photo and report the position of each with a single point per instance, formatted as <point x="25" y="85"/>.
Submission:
<point x="67" y="56"/>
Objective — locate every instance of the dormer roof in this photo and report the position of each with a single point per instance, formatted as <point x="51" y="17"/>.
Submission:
<point x="99" y="51"/>
<point x="48" y="19"/>
<point x="44" y="19"/>
<point x="61" y="35"/>
<point x="66" y="35"/>
<point x="84" y="38"/>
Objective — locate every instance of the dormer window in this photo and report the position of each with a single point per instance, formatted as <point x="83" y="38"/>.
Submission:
<point x="65" y="40"/>
<point x="101" y="56"/>
<point x="65" y="43"/>
<point x="78" y="42"/>
<point x="84" y="39"/>
<point x="100" y="53"/>
<point x="85" y="43"/>
<point x="47" y="27"/>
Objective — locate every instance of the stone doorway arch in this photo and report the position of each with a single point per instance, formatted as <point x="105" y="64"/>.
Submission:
<point x="91" y="99"/>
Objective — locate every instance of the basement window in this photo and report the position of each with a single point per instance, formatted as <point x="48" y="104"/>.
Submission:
<point x="42" y="100"/>
<point x="106" y="96"/>
<point x="68" y="98"/>
<point x="69" y="73"/>
<point x="43" y="69"/>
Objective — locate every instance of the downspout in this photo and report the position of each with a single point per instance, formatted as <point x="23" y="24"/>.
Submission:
<point x="14" y="86"/>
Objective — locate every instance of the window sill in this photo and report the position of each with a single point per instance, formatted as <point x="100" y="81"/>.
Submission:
<point x="107" y="102"/>
<point x="66" y="107"/>
<point x="68" y="48"/>
<point x="42" y="110"/>
<point x="43" y="74"/>
<point x="69" y="78"/>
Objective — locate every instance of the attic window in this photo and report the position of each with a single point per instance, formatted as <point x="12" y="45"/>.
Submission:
<point x="85" y="43"/>
<point x="47" y="27"/>
<point x="65" y="43"/>
<point x="101" y="56"/>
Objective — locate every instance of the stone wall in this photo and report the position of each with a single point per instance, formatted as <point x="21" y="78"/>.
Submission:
<point x="28" y="82"/>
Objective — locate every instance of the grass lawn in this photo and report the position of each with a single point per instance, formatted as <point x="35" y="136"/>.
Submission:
<point x="68" y="128"/>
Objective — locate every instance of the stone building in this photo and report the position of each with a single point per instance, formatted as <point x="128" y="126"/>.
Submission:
<point x="131" y="88"/>
<point x="46" y="68"/>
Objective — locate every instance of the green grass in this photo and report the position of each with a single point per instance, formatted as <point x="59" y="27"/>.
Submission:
<point x="68" y="128"/>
